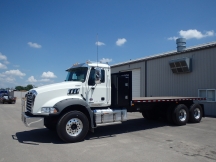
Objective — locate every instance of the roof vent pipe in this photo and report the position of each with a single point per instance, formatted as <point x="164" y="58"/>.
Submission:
<point x="181" y="44"/>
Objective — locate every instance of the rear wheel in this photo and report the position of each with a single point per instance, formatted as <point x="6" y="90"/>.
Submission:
<point x="73" y="127"/>
<point x="180" y="115"/>
<point x="195" y="113"/>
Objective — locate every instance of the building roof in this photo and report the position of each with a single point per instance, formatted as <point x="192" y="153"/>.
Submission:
<point x="193" y="48"/>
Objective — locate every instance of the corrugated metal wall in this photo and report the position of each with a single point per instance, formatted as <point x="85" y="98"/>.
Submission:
<point x="202" y="75"/>
<point x="162" y="82"/>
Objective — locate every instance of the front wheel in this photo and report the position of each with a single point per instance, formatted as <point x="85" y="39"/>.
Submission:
<point x="73" y="126"/>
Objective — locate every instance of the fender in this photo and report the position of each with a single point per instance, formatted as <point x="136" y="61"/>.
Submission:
<point x="61" y="105"/>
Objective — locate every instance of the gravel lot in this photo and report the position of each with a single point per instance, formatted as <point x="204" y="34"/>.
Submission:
<point x="135" y="140"/>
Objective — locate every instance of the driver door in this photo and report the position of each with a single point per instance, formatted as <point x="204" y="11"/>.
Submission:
<point x="97" y="88"/>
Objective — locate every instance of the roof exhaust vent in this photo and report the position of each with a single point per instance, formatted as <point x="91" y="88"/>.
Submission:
<point x="181" y="44"/>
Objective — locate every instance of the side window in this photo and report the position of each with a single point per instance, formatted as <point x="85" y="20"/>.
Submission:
<point x="209" y="94"/>
<point x="102" y="76"/>
<point x="74" y="77"/>
<point x="91" y="80"/>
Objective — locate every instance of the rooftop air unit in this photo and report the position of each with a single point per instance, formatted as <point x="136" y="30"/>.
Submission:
<point x="182" y="65"/>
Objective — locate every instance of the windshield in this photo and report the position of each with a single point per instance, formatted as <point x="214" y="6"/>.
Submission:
<point x="77" y="74"/>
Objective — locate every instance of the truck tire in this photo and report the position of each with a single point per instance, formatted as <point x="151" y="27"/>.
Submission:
<point x="195" y="113"/>
<point x="150" y="115"/>
<point x="73" y="127"/>
<point x="180" y="115"/>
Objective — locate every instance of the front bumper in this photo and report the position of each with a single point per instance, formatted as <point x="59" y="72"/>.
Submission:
<point x="31" y="121"/>
<point x="37" y="122"/>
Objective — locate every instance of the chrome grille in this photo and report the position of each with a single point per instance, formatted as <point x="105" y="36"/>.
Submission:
<point x="30" y="101"/>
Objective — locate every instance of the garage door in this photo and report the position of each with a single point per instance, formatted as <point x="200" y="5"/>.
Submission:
<point x="136" y="83"/>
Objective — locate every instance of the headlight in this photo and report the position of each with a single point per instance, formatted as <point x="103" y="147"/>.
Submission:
<point x="49" y="110"/>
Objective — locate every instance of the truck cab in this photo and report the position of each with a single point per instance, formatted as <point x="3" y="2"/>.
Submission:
<point x="86" y="91"/>
<point x="81" y="83"/>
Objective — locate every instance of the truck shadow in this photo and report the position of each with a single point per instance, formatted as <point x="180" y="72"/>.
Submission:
<point x="36" y="136"/>
<point x="132" y="125"/>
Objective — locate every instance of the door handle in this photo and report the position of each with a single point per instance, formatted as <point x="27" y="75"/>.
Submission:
<point x="102" y="98"/>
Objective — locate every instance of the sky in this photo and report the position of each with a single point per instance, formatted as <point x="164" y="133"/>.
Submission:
<point x="40" y="39"/>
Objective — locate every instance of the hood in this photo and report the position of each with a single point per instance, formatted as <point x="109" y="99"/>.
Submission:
<point x="58" y="86"/>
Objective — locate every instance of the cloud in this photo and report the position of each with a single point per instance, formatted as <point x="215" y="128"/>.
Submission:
<point x="99" y="43"/>
<point x="45" y="80"/>
<point x="2" y="75"/>
<point x="105" y="60"/>
<point x="172" y="38"/>
<point x="31" y="79"/>
<point x="6" y="62"/>
<point x="2" y="66"/>
<point x="193" y="33"/>
<point x="6" y="79"/>
<point x="121" y="41"/>
<point x="34" y="45"/>
<point x="48" y="74"/>
<point x="10" y="79"/>
<point x="3" y="57"/>
<point x="15" y="73"/>
<point x="16" y="66"/>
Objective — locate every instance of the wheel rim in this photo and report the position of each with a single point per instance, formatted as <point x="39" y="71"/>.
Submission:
<point x="182" y="115"/>
<point x="74" y="127"/>
<point x="197" y="113"/>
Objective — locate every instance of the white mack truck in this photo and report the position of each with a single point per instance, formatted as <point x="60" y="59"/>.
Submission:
<point x="91" y="96"/>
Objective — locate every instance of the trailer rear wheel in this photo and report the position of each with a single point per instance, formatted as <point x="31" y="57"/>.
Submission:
<point x="73" y="126"/>
<point x="150" y="115"/>
<point x="195" y="113"/>
<point x="180" y="115"/>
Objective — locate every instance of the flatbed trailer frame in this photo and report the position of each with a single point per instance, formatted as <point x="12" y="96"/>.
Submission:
<point x="176" y="109"/>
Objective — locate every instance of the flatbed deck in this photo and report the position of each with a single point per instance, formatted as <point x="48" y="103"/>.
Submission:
<point x="164" y="99"/>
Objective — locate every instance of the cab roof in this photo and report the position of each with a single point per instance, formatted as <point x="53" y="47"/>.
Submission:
<point x="88" y="64"/>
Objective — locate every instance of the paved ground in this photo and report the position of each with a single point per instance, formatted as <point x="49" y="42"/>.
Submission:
<point x="135" y="140"/>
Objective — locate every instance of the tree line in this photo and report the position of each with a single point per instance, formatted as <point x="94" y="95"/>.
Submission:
<point x="21" y="88"/>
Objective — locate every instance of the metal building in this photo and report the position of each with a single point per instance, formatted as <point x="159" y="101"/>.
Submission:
<point x="189" y="72"/>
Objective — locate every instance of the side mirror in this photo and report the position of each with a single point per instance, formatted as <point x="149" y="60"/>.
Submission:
<point x="97" y="76"/>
